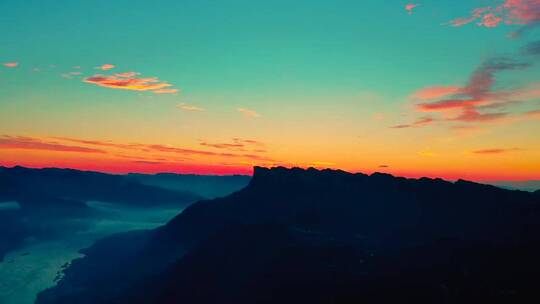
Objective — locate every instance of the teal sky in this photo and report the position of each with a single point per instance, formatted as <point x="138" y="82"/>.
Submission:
<point x="313" y="70"/>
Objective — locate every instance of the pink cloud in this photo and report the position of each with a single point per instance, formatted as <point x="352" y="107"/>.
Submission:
<point x="521" y="12"/>
<point x="472" y="115"/>
<point x="11" y="64"/>
<point x="107" y="67"/>
<point x="410" y="7"/>
<point x="450" y="104"/>
<point x="435" y="92"/>
<point x="490" y="20"/>
<point x="119" y="81"/>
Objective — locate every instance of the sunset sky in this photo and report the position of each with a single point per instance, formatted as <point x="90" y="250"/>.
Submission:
<point x="439" y="88"/>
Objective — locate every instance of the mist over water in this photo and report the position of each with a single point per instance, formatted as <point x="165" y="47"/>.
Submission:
<point x="38" y="263"/>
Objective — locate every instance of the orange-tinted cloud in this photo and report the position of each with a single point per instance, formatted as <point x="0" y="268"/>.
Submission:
<point x="124" y="82"/>
<point x="106" y="67"/>
<point x="11" y="64"/>
<point x="101" y="143"/>
<point x="435" y="92"/>
<point x="158" y="148"/>
<point x="166" y="91"/>
<point x="496" y="151"/>
<point x="249" y="113"/>
<point x="237" y="144"/>
<point x="532" y="114"/>
<point x="420" y="122"/>
<point x="30" y="143"/>
<point x="188" y="107"/>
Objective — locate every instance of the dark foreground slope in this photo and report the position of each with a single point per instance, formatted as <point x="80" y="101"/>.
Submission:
<point x="308" y="236"/>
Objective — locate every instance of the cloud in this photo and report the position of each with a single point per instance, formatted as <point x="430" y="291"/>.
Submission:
<point x="384" y="166"/>
<point x="472" y="115"/>
<point x="106" y="67"/>
<point x="249" y="113"/>
<point x="410" y="7"/>
<point x="237" y="144"/>
<point x="101" y="143"/>
<point x="188" y="107"/>
<point x="532" y="114"/>
<point x="442" y="105"/>
<point x="478" y="95"/>
<point x="435" y="92"/>
<point x="420" y="122"/>
<point x="532" y="48"/>
<point x="496" y="151"/>
<point x="11" y="64"/>
<point x="510" y="12"/>
<point x="127" y="74"/>
<point x="30" y="143"/>
<point x="127" y="81"/>
<point x="166" y="91"/>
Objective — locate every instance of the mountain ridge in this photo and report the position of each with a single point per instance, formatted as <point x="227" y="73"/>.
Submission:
<point x="330" y="211"/>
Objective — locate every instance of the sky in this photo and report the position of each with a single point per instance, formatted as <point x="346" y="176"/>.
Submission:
<point x="446" y="88"/>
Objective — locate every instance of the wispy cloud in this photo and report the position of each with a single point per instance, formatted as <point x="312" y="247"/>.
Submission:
<point x="410" y="7"/>
<point x="422" y="121"/>
<point x="496" y="151"/>
<point x="237" y="144"/>
<point x="510" y="12"/>
<point x="188" y="107"/>
<point x="106" y="67"/>
<point x="166" y="91"/>
<point x="11" y="64"/>
<point x="478" y="96"/>
<point x="30" y="143"/>
<point x="435" y="92"/>
<point x="127" y="81"/>
<point x="249" y="113"/>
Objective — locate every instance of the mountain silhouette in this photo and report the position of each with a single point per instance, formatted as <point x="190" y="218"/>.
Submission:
<point x="324" y="236"/>
<point x="85" y="186"/>
<point x="51" y="201"/>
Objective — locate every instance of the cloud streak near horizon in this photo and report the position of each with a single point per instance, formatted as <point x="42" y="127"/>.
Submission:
<point x="66" y="144"/>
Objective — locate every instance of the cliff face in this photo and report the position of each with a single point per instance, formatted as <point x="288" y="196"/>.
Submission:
<point x="327" y="236"/>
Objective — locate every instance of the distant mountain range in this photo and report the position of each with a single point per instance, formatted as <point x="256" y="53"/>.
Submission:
<point x="309" y="236"/>
<point x="45" y="202"/>
<point x="532" y="185"/>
